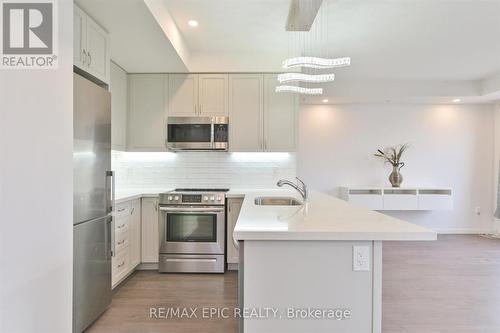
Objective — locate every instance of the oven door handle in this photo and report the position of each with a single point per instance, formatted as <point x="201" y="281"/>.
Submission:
<point x="191" y="209"/>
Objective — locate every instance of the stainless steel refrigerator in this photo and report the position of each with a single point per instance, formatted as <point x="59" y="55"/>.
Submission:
<point x="92" y="202"/>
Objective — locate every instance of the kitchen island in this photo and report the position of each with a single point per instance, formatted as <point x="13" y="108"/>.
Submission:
<point x="315" y="267"/>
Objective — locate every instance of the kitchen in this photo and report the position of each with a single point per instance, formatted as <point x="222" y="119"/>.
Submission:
<point x="208" y="193"/>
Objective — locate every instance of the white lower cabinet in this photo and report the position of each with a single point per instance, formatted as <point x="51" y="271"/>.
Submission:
<point x="135" y="233"/>
<point x="127" y="232"/>
<point x="233" y="211"/>
<point x="150" y="237"/>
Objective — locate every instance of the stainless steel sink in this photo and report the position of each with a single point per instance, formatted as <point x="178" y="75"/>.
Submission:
<point x="277" y="201"/>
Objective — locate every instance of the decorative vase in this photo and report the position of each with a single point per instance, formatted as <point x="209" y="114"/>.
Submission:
<point x="396" y="178"/>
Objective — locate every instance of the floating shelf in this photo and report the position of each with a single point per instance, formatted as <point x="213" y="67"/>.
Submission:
<point x="404" y="198"/>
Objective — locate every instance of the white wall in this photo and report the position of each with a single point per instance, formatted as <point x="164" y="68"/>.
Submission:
<point x="496" y="162"/>
<point x="451" y="146"/>
<point x="224" y="170"/>
<point x="36" y="164"/>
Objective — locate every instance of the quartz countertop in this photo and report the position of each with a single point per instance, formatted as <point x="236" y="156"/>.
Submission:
<point x="131" y="194"/>
<point x="323" y="217"/>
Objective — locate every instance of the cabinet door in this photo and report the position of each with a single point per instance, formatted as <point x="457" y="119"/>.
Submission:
<point x="98" y="51"/>
<point x="213" y="95"/>
<point x="135" y="233"/>
<point x="79" y="37"/>
<point x="245" y="112"/>
<point x="280" y="117"/>
<point x="183" y="95"/>
<point x="118" y="89"/>
<point x="150" y="237"/>
<point x="146" y="119"/>
<point x="233" y="211"/>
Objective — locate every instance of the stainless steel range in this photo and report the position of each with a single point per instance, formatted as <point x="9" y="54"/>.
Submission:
<point x="192" y="231"/>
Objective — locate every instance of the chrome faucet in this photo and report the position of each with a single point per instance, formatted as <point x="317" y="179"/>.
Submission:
<point x="301" y="187"/>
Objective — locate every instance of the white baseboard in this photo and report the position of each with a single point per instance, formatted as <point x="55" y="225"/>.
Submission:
<point x="232" y="267"/>
<point x="148" y="266"/>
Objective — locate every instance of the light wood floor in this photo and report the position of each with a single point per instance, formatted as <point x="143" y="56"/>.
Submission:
<point x="448" y="286"/>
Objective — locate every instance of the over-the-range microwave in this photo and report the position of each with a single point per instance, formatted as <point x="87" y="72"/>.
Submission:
<point x="197" y="133"/>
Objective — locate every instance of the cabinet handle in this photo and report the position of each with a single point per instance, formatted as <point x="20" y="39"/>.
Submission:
<point x="121" y="242"/>
<point x="121" y="226"/>
<point x="84" y="56"/>
<point x="229" y="207"/>
<point x="121" y="265"/>
<point x="132" y="211"/>
<point x="199" y="109"/>
<point x="121" y="210"/>
<point x="90" y="58"/>
<point x="156" y="205"/>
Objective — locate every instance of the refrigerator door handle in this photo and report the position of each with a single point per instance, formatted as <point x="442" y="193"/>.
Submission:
<point x="110" y="207"/>
<point x="110" y="191"/>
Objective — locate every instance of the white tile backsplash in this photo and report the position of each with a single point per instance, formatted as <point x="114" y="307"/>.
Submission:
<point x="201" y="169"/>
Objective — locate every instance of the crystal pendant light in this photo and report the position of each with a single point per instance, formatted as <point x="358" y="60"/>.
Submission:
<point x="300" y="90"/>
<point x="294" y="77"/>
<point x="314" y="62"/>
<point x="308" y="51"/>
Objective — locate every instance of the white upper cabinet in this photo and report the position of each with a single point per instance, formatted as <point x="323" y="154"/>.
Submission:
<point x="192" y="95"/>
<point x="98" y="51"/>
<point x="245" y="112"/>
<point x="146" y="118"/>
<point x="280" y="117"/>
<point x="213" y="95"/>
<point x="183" y="95"/>
<point x="91" y="46"/>
<point x="118" y="88"/>
<point x="79" y="37"/>
<point x="261" y="119"/>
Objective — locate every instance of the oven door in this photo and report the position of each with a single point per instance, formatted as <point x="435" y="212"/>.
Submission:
<point x="192" y="230"/>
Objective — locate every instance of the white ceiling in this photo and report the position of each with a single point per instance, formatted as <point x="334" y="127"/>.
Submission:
<point x="137" y="42"/>
<point x="399" y="42"/>
<point x="387" y="39"/>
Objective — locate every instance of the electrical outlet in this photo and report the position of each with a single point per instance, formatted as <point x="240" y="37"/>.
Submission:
<point x="360" y="258"/>
<point x="478" y="210"/>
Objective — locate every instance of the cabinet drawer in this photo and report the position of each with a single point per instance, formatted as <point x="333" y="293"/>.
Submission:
<point x="121" y="225"/>
<point x="400" y="202"/>
<point x="435" y="202"/>
<point x="122" y="240"/>
<point x="120" y="265"/>
<point x="370" y="201"/>
<point x="122" y="209"/>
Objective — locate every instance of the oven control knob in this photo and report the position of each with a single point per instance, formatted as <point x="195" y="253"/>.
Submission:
<point x="205" y="198"/>
<point x="212" y="198"/>
<point x="176" y="198"/>
<point x="170" y="198"/>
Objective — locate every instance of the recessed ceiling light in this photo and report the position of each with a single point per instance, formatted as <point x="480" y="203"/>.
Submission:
<point x="457" y="100"/>
<point x="193" y="23"/>
<point x="325" y="100"/>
